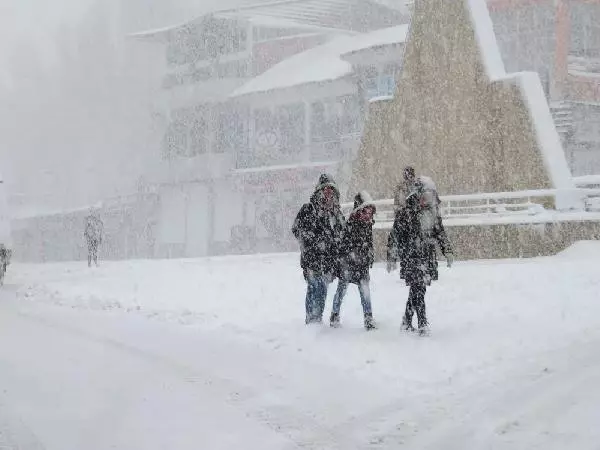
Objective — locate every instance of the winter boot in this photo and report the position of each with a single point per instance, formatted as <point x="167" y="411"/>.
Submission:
<point x="369" y="322"/>
<point x="334" y="320"/>
<point x="424" y="330"/>
<point x="406" y="325"/>
<point x="312" y="319"/>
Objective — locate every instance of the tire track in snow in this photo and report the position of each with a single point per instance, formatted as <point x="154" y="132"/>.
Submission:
<point x="456" y="415"/>
<point x="14" y="433"/>
<point x="303" y="431"/>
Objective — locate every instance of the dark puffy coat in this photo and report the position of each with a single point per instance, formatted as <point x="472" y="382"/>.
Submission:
<point x="414" y="249"/>
<point x="319" y="232"/>
<point x="94" y="229"/>
<point x="357" y="253"/>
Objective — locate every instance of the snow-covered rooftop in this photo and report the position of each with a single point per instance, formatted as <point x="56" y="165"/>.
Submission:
<point x="385" y="36"/>
<point x="322" y="63"/>
<point x="324" y="14"/>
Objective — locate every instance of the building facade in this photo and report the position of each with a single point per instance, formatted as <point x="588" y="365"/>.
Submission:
<point x="247" y="129"/>
<point x="257" y="102"/>
<point x="560" y="40"/>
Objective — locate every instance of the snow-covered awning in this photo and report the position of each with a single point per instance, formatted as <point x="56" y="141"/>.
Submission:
<point x="322" y="63"/>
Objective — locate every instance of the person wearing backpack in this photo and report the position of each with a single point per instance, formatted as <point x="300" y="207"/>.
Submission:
<point x="412" y="242"/>
<point x="318" y="228"/>
<point x="356" y="258"/>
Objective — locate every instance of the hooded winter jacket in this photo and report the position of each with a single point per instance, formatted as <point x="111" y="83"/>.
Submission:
<point x="318" y="229"/>
<point x="413" y="246"/>
<point x="357" y="254"/>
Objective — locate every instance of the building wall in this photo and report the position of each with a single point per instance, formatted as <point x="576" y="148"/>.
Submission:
<point x="509" y="240"/>
<point x="584" y="151"/>
<point x="130" y="231"/>
<point x="526" y="35"/>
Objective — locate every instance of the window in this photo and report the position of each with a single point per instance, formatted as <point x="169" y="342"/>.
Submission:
<point x="188" y="134"/>
<point x="324" y="125"/>
<point x="232" y="132"/>
<point x="261" y="34"/>
<point x="206" y="40"/>
<point x="175" y="140"/>
<point x="278" y="136"/>
<point x="233" y="69"/>
<point x="585" y="29"/>
<point x="331" y="121"/>
<point x="198" y="137"/>
<point x="381" y="82"/>
<point x="291" y="128"/>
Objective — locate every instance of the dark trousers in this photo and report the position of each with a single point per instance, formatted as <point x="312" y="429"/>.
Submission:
<point x="416" y="303"/>
<point x="92" y="251"/>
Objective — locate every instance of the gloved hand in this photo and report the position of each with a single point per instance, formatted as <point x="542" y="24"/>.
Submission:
<point x="449" y="260"/>
<point x="391" y="266"/>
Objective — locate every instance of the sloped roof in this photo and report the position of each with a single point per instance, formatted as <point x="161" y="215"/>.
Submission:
<point x="322" y="63"/>
<point x="323" y="14"/>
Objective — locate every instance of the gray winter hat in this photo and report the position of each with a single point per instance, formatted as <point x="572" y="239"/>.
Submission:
<point x="326" y="180"/>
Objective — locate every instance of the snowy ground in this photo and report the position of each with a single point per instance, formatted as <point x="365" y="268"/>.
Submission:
<point x="214" y="354"/>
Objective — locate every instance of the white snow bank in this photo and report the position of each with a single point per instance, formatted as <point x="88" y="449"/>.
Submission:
<point x="261" y="298"/>
<point x="580" y="73"/>
<point x="381" y="98"/>
<point x="530" y="218"/>
<point x="582" y="250"/>
<point x="506" y="336"/>
<point x="587" y="180"/>
<point x="321" y="63"/>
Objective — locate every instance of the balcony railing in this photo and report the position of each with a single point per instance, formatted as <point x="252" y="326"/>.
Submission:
<point x="342" y="148"/>
<point x="501" y="207"/>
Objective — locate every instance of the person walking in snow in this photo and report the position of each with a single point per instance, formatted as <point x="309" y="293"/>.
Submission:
<point x="318" y="229"/>
<point x="416" y="230"/>
<point x="356" y="258"/>
<point x="93" y="233"/>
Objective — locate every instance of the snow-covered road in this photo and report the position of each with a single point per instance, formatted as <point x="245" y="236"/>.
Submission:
<point x="513" y="362"/>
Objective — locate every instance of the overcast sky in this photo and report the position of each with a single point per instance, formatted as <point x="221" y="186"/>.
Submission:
<point x="34" y="20"/>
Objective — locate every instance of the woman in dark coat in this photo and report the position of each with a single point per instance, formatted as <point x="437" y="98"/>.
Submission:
<point x="416" y="230"/>
<point x="356" y="258"/>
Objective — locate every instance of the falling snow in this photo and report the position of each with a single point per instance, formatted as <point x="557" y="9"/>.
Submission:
<point x="191" y="192"/>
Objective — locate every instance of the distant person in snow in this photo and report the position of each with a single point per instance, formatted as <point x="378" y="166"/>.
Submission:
<point x="416" y="230"/>
<point x="5" y="256"/>
<point x="356" y="258"/>
<point x="93" y="233"/>
<point x="318" y="229"/>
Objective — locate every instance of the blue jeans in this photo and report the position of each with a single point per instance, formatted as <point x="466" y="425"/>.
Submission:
<point x="316" y="293"/>
<point x="363" y="290"/>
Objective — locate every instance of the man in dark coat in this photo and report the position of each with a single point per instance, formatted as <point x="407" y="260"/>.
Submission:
<point x="318" y="228"/>
<point x="356" y="258"/>
<point x="416" y="230"/>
